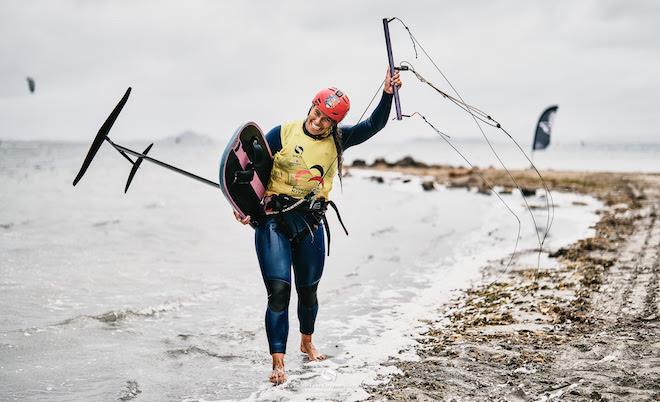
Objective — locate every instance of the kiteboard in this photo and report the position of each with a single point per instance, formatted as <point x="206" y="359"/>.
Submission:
<point x="245" y="168"/>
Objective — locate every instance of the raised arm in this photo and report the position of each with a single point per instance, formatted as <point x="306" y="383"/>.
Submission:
<point x="359" y="133"/>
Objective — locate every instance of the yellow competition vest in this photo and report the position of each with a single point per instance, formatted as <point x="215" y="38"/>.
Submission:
<point x="303" y="164"/>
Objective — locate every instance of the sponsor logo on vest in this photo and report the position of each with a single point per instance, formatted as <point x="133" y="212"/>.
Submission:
<point x="317" y="178"/>
<point x="298" y="150"/>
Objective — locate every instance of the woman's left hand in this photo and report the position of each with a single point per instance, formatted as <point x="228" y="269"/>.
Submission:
<point x="239" y="218"/>
<point x="396" y="80"/>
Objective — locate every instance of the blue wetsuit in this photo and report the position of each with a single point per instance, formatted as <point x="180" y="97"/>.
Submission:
<point x="277" y="252"/>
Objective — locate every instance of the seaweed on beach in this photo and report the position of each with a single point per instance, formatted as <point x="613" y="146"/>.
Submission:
<point x="535" y="333"/>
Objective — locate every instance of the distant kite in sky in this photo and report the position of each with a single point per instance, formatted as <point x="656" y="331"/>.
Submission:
<point x="31" y="85"/>
<point x="544" y="128"/>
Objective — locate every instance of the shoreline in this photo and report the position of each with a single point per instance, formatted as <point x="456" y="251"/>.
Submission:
<point x="585" y="329"/>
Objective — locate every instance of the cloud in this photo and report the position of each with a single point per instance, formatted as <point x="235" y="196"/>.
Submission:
<point x="209" y="65"/>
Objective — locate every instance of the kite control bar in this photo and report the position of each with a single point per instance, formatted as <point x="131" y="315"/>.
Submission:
<point x="390" y="59"/>
<point x="102" y="136"/>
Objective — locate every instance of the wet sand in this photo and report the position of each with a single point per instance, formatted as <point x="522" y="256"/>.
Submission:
<point x="587" y="328"/>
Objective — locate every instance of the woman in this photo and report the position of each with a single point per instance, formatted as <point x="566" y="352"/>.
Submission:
<point x="307" y="154"/>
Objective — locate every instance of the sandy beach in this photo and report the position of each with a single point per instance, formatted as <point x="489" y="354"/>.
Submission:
<point x="584" y="327"/>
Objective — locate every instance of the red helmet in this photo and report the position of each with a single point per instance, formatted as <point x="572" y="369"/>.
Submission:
<point x="333" y="102"/>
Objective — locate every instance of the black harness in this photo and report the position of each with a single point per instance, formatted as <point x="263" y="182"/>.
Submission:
<point x="277" y="205"/>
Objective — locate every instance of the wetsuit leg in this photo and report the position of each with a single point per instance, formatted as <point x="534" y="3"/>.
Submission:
<point x="308" y="261"/>
<point x="274" y="254"/>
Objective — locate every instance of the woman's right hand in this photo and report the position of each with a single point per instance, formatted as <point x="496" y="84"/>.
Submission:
<point x="390" y="82"/>
<point x="244" y="221"/>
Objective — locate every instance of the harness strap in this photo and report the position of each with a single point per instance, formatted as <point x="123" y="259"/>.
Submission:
<point x="311" y="231"/>
<point x="327" y="226"/>
<point x="334" y="206"/>
<point x="327" y="231"/>
<point x="289" y="208"/>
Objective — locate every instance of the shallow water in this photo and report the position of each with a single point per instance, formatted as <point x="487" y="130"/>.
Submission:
<point x="156" y="294"/>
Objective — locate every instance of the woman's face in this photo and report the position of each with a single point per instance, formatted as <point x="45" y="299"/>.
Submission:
<point x="317" y="122"/>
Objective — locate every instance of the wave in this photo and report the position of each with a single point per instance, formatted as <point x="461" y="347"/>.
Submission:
<point x="130" y="391"/>
<point x="196" y="350"/>
<point x="106" y="223"/>
<point x="118" y="316"/>
<point x="115" y="317"/>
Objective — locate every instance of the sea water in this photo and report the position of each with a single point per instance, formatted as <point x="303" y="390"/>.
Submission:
<point x="609" y="157"/>
<point x="156" y="294"/>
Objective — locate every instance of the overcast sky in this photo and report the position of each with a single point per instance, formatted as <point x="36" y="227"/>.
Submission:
<point x="208" y="66"/>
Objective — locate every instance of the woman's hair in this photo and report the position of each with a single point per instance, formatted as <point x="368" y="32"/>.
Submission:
<point x="336" y="133"/>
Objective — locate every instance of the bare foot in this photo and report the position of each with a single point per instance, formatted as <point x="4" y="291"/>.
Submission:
<point x="307" y="347"/>
<point x="277" y="376"/>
